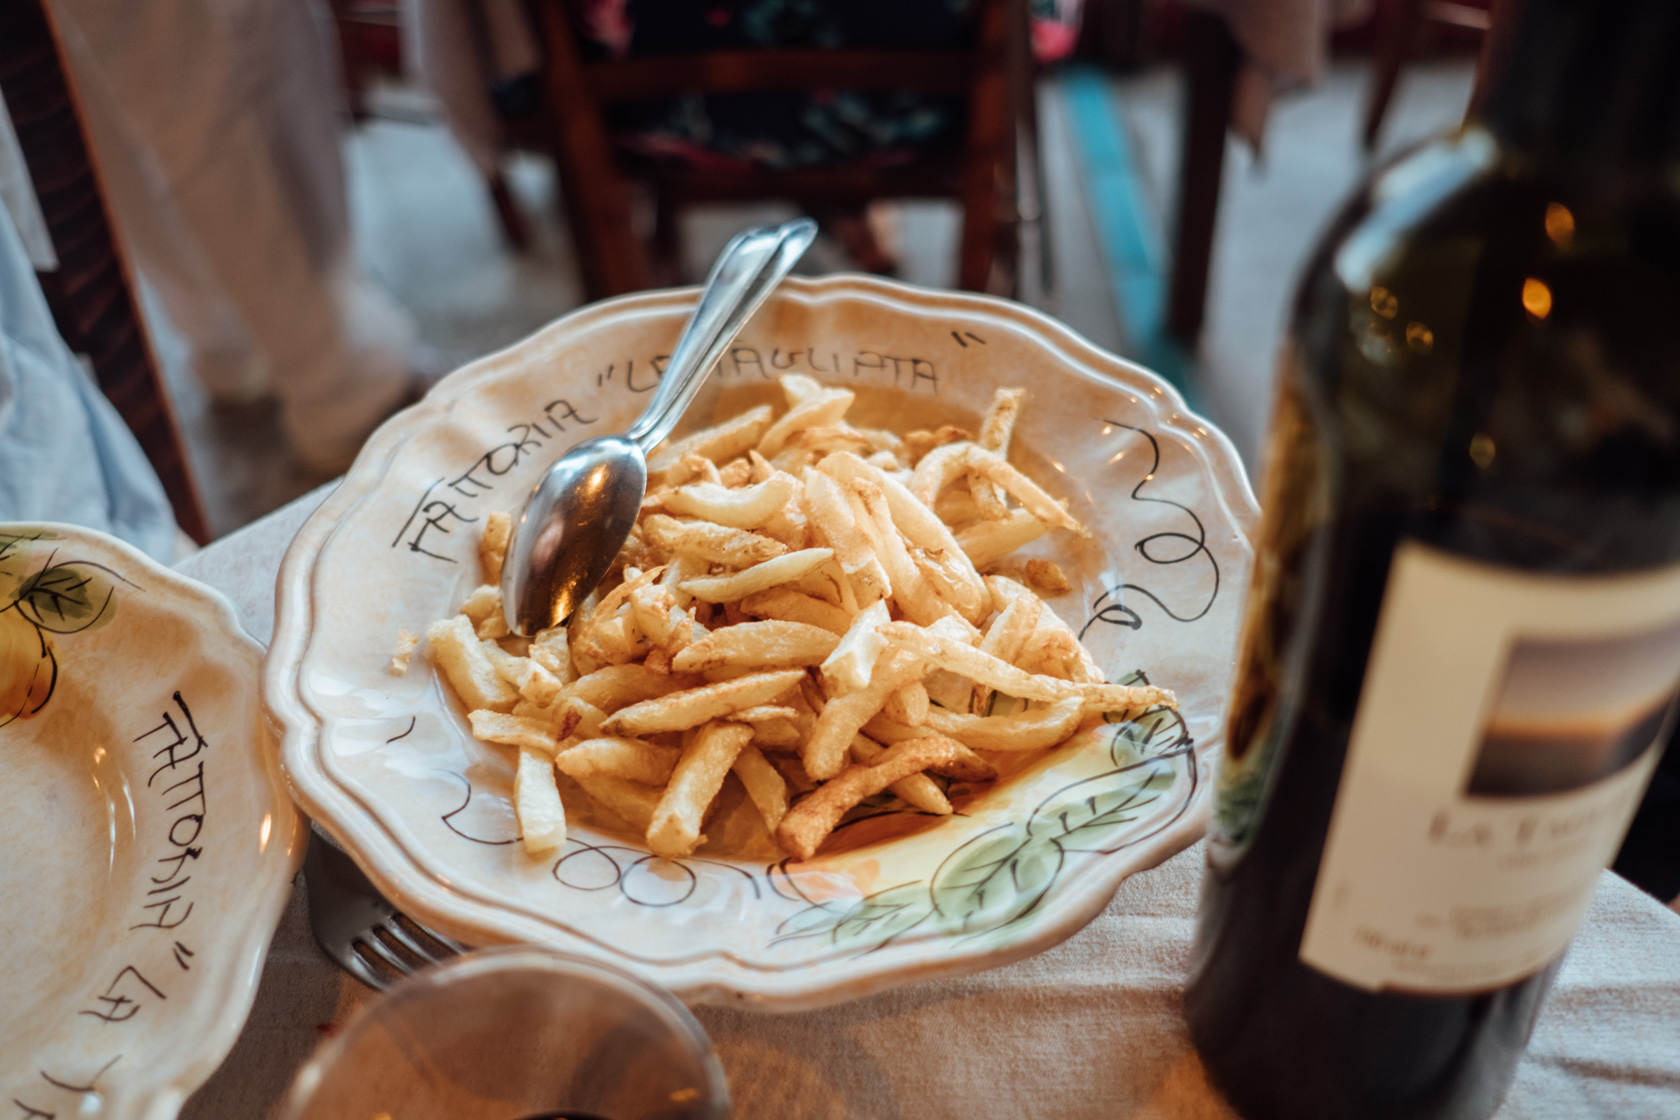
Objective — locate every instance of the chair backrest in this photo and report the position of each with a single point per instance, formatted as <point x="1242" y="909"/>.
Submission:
<point x="987" y="75"/>
<point x="91" y="293"/>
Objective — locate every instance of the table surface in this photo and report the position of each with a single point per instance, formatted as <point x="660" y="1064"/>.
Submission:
<point x="1090" y="1028"/>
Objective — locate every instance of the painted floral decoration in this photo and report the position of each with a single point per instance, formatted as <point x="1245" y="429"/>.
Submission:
<point x="44" y="596"/>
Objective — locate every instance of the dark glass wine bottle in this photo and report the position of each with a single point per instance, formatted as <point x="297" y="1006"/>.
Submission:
<point x="1463" y="636"/>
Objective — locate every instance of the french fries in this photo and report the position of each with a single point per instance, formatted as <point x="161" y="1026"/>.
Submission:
<point x="632" y="802"/>
<point x="719" y="444"/>
<point x="745" y="508"/>
<point x="917" y="790"/>
<point x="816" y="407"/>
<point x="492" y="546"/>
<point x="765" y="786"/>
<point x="809" y="822"/>
<point x="512" y="730"/>
<point x="832" y="513"/>
<point x="1031" y="730"/>
<point x="995" y="431"/>
<point x="459" y="653"/>
<point x="678" y="711"/>
<point x="699" y="774"/>
<point x="760" y="577"/>
<point x="966" y="766"/>
<point x="987" y="542"/>
<point x="709" y="541"/>
<point x="1047" y="577"/>
<point x="760" y="645"/>
<point x="631" y="759"/>
<point x="794" y="606"/>
<point x="536" y="802"/>
<point x="406" y="645"/>
<point x="812" y="610"/>
<point x="619" y="686"/>
<point x="1006" y="678"/>
<point x="841" y="718"/>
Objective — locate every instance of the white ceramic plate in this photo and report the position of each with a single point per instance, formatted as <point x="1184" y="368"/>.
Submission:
<point x="385" y="763"/>
<point x="149" y="841"/>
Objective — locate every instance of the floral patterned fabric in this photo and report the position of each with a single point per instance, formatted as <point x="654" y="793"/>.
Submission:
<point x="785" y="131"/>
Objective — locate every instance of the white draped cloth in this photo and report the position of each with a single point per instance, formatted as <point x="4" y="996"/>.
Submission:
<point x="216" y="129"/>
<point x="65" y="454"/>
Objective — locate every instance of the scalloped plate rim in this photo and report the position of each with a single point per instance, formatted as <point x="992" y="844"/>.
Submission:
<point x="404" y="877"/>
<point x="163" y="1087"/>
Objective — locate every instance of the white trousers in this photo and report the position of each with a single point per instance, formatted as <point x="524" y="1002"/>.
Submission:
<point x="216" y="129"/>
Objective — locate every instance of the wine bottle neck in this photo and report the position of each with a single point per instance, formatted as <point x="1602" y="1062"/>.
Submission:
<point x="1591" y="86"/>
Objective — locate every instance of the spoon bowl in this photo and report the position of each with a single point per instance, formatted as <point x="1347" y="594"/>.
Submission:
<point x="596" y="489"/>
<point x="581" y="512"/>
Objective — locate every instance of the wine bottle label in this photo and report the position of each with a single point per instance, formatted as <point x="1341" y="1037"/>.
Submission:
<point x="1506" y="730"/>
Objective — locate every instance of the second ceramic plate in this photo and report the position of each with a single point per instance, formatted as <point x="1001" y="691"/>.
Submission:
<point x="149" y="845"/>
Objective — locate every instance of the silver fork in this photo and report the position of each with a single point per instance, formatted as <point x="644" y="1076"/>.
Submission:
<point x="354" y="925"/>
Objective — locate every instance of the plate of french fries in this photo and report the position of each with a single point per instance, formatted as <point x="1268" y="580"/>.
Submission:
<point x="919" y="647"/>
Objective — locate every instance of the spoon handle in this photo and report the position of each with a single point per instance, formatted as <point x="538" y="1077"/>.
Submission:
<point x="749" y="269"/>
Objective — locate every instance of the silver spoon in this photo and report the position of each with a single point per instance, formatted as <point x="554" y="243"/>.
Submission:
<point x="581" y="513"/>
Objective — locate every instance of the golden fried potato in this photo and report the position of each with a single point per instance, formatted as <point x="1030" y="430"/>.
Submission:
<point x="466" y="665"/>
<point x="987" y="542"/>
<point x="705" y="762"/>
<point x="843" y="717"/>
<point x="760" y="577"/>
<point x="749" y="507"/>
<point x="678" y="711"/>
<point x="633" y="759"/>
<point x="720" y="443"/>
<point x="1030" y="730"/>
<point x="810" y="821"/>
<point x="1047" y="578"/>
<point x="768" y="547"/>
<point x="794" y="606"/>
<point x="406" y="645"/>
<point x="758" y="645"/>
<point x="512" y="730"/>
<point x="492" y="546"/>
<point x="717" y="544"/>
<point x="918" y="790"/>
<point x="536" y="803"/>
<point x="765" y="786"/>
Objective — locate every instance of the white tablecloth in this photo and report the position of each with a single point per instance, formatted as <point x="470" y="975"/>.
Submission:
<point x="1092" y="1028"/>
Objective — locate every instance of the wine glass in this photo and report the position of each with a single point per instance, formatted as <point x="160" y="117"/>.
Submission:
<point x="515" y="1033"/>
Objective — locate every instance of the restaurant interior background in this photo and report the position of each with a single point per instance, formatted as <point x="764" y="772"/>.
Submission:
<point x="1174" y="162"/>
<point x="1111" y="120"/>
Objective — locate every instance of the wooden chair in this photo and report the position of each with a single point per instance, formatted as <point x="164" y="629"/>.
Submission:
<point x="370" y="45"/>
<point x="597" y="182"/>
<point x="91" y="293"/>
<point x="1212" y="59"/>
<point x="1403" y="22"/>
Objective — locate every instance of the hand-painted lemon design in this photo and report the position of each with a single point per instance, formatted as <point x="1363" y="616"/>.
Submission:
<point x="28" y="667"/>
<point x="44" y="596"/>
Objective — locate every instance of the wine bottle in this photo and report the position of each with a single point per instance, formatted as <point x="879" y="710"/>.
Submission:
<point x="1463" y="636"/>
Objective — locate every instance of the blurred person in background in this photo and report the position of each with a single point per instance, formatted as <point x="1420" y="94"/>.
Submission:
<point x="216" y="128"/>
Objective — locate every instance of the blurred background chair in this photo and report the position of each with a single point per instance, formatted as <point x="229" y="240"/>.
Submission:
<point x="1403" y="24"/>
<point x="647" y="117"/>
<point x="861" y="102"/>
<point x="372" y="46"/>
<point x="1227" y="45"/>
